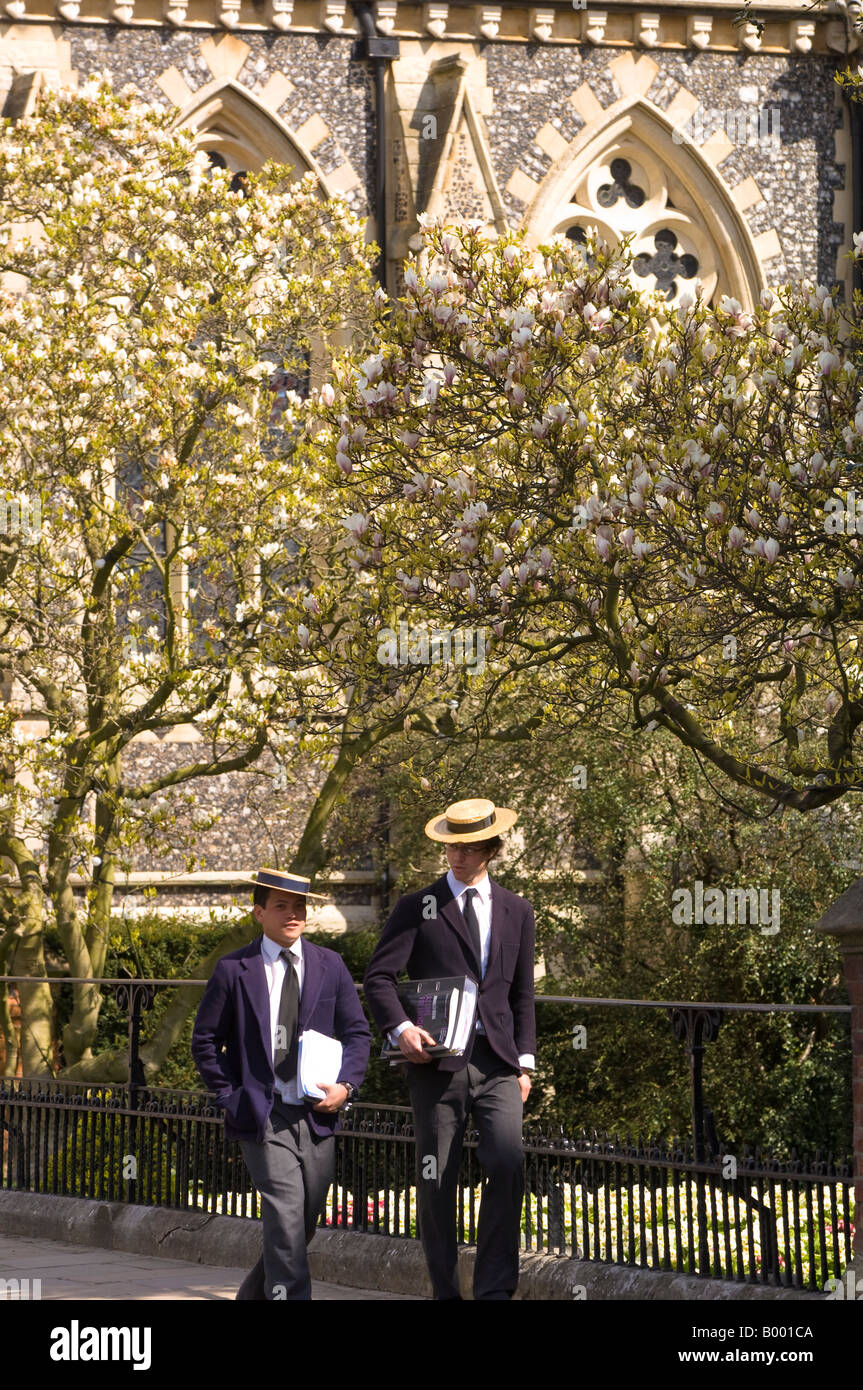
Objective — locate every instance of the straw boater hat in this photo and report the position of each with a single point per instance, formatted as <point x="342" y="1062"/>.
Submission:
<point x="466" y="821"/>
<point x="287" y="883"/>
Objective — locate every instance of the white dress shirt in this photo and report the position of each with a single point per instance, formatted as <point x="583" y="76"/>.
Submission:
<point x="482" y="909"/>
<point x="276" y="966"/>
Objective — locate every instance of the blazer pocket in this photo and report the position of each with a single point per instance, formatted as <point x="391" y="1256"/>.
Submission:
<point x="229" y="1102"/>
<point x="238" y="1108"/>
<point x="508" y="960"/>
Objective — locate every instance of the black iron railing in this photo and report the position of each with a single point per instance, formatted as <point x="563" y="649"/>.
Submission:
<point x="741" y="1217"/>
<point x="693" y="1024"/>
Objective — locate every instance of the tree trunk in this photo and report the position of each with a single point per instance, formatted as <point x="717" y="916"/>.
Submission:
<point x="23" y="954"/>
<point x="9" y="1035"/>
<point x="28" y="958"/>
<point x="86" y="1000"/>
<point x="101" y="897"/>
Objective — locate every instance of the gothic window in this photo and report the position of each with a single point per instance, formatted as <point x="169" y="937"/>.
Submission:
<point x="628" y="194"/>
<point x="286" y="380"/>
<point x="240" y="135"/>
<point x="139" y="587"/>
<point x="291" y="374"/>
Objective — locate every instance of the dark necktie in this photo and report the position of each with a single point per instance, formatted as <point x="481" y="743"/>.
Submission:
<point x="472" y="924"/>
<point x="285" y="1059"/>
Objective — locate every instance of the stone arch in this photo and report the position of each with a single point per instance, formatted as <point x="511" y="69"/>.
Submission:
<point x="682" y="189"/>
<point x="229" y="120"/>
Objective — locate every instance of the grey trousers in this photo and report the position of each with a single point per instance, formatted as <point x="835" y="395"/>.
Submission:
<point x="486" y="1090"/>
<point x="292" y="1171"/>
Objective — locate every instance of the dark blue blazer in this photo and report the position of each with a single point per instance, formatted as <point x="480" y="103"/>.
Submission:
<point x="426" y="935"/>
<point x="234" y="1015"/>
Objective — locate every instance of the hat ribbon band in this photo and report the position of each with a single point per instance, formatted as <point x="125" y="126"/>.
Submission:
<point x="468" y="827"/>
<point x="286" y="882"/>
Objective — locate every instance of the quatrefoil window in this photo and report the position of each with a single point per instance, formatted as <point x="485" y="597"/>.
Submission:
<point x="665" y="264"/>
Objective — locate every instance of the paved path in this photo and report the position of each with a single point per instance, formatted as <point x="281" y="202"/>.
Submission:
<point x="79" y="1272"/>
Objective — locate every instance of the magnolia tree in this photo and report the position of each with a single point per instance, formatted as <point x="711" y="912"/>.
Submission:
<point x="644" y="507"/>
<point x="170" y="554"/>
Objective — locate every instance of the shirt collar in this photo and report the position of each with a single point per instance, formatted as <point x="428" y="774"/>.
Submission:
<point x="271" y="951"/>
<point x="456" y="887"/>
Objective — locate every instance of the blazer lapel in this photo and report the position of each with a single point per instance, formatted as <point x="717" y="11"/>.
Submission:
<point x="254" y="979"/>
<point x="499" y="921"/>
<point x="313" y="979"/>
<point x="449" y="909"/>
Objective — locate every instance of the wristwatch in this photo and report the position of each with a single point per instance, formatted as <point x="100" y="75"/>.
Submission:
<point x="351" y="1090"/>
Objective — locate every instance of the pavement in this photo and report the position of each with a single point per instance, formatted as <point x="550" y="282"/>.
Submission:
<point x="80" y="1273"/>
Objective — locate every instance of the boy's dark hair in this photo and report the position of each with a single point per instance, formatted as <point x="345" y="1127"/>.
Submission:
<point x="261" y="895"/>
<point x="493" y="846"/>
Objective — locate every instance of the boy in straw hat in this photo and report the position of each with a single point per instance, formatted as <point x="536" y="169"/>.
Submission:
<point x="257" y="1002"/>
<point x="466" y="924"/>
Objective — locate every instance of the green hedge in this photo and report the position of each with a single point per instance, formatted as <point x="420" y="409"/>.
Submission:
<point x="97" y="1154"/>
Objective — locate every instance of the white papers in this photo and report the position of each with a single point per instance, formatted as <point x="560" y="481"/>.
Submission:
<point x="320" y="1059"/>
<point x="467" y="1014"/>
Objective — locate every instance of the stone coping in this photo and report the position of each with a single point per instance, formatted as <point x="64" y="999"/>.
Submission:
<point x="790" y="28"/>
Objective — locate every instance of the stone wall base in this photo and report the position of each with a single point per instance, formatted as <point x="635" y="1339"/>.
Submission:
<point x="342" y="1257"/>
